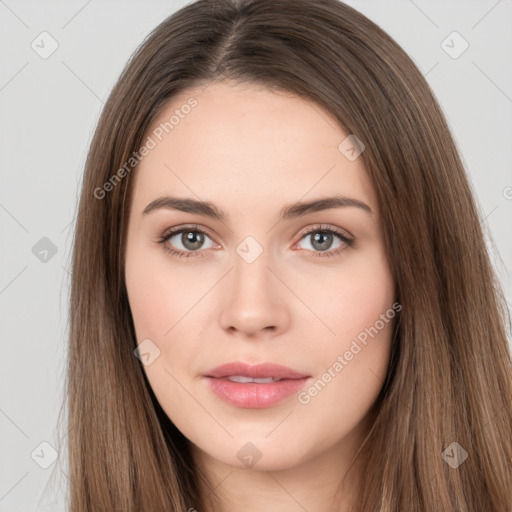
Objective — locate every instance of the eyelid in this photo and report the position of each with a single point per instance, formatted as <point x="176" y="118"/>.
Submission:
<point x="343" y="233"/>
<point x="305" y="231"/>
<point x="345" y="237"/>
<point x="191" y="227"/>
<point x="347" y="240"/>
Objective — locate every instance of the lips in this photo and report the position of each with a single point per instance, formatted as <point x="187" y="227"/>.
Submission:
<point x="254" y="386"/>
<point x="257" y="371"/>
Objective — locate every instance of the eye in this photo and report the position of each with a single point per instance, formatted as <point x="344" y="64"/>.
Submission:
<point x="189" y="241"/>
<point x="185" y="241"/>
<point x="321" y="239"/>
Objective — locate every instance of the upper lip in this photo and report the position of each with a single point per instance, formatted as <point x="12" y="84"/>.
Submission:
<point x="256" y="371"/>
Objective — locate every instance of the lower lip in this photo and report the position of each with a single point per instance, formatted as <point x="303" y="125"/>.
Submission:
<point x="253" y="395"/>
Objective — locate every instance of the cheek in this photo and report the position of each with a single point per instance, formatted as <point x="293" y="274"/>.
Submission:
<point x="162" y="302"/>
<point x="353" y="297"/>
<point x="360" y="310"/>
<point x="352" y="364"/>
<point x="159" y="307"/>
<point x="158" y="296"/>
<point x="150" y="311"/>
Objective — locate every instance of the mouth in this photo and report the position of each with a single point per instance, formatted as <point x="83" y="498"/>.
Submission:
<point x="244" y="380"/>
<point x="237" y="369"/>
<point x="254" y="386"/>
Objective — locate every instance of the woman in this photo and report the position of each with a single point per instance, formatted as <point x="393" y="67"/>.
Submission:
<point x="281" y="294"/>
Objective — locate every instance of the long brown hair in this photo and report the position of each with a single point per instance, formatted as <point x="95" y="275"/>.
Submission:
<point x="450" y="374"/>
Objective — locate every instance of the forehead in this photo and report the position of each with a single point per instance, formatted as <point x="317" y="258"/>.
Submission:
<point x="247" y="142"/>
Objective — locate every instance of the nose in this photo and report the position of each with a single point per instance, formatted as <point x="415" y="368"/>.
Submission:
<point x="254" y="300"/>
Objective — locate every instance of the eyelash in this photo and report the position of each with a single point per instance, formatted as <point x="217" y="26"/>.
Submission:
<point x="195" y="229"/>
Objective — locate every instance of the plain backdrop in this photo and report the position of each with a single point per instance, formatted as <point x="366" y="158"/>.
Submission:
<point x="49" y="108"/>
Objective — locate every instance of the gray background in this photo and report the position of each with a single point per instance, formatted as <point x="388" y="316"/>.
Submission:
<point x="49" y="108"/>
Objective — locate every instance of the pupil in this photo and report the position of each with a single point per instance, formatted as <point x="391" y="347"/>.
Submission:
<point x="192" y="239"/>
<point x="323" y="239"/>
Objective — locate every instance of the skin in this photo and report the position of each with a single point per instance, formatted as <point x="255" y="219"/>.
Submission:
<point x="251" y="152"/>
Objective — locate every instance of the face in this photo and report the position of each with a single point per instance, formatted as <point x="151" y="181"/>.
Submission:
<point x="255" y="276"/>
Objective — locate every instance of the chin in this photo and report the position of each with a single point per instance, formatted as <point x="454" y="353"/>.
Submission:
<point x="257" y="454"/>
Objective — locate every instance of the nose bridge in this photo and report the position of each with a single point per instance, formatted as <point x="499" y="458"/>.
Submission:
<point x="251" y="276"/>
<point x="253" y="300"/>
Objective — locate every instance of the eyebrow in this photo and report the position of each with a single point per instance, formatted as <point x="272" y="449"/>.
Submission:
<point x="292" y="211"/>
